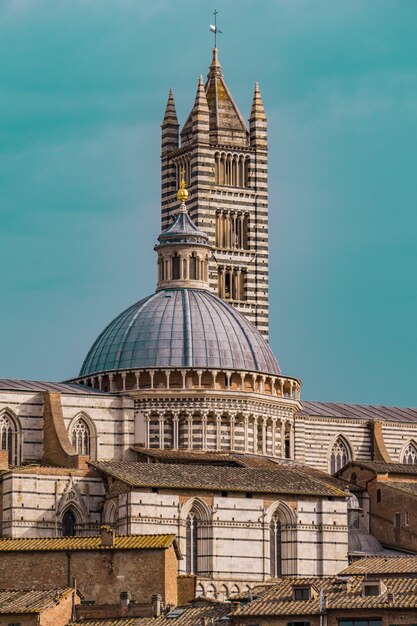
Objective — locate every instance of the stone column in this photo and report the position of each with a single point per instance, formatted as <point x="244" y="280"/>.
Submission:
<point x="175" y="438"/>
<point x="255" y="434"/>
<point x="282" y="437"/>
<point x="274" y="427"/>
<point x="246" y="424"/>
<point x="218" y="430"/>
<point x="232" y="431"/>
<point x="264" y="421"/>
<point x="124" y="381"/>
<point x="147" y="431"/>
<point x="190" y="431"/>
<point x="161" y="431"/>
<point x="204" y="429"/>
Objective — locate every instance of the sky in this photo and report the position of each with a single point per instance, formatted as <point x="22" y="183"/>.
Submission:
<point x="83" y="87"/>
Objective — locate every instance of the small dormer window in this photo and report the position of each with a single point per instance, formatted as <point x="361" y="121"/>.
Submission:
<point x="302" y="593"/>
<point x="373" y="588"/>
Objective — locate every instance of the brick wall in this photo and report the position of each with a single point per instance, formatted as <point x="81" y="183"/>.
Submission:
<point x="100" y="575"/>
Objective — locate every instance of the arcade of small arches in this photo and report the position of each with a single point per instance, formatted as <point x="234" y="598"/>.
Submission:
<point x="159" y="379"/>
<point x="182" y="265"/>
<point x="231" y="169"/>
<point x="216" y="430"/>
<point x="231" y="283"/>
<point x="232" y="230"/>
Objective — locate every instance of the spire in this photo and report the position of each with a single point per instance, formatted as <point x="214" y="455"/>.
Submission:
<point x="257" y="121"/>
<point x="258" y="111"/>
<point x="170" y="126"/>
<point x="197" y="124"/>
<point x="215" y="68"/>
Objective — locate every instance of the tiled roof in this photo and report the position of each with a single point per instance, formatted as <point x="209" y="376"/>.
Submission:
<point x="385" y="468"/>
<point x="360" y="411"/>
<point x="383" y="565"/>
<point x="283" y="479"/>
<point x="122" y="542"/>
<point x="180" y="616"/>
<point x="9" y="384"/>
<point x="278" y="600"/>
<point x="17" y="601"/>
<point x="49" y="470"/>
<point x="410" y="488"/>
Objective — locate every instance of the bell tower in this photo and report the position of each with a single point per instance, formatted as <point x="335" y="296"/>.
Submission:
<point x="225" y="164"/>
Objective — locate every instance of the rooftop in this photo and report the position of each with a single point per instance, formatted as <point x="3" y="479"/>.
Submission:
<point x="380" y="467"/>
<point x="283" y="479"/>
<point x="360" y="411"/>
<point x="383" y="565"/>
<point x="18" y="601"/>
<point x="10" y="384"/>
<point x="401" y="593"/>
<point x="181" y="328"/>
<point x="122" y="542"/>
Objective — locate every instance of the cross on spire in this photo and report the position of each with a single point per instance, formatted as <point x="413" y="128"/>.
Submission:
<point x="214" y="28"/>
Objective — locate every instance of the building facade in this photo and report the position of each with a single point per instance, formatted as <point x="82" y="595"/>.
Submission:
<point x="181" y="420"/>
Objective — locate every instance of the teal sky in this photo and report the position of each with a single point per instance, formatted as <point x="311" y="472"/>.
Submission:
<point x="83" y="86"/>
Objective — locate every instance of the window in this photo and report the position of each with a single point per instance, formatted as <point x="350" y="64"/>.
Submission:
<point x="191" y="540"/>
<point x="275" y="547"/>
<point x="193" y="267"/>
<point x="68" y="524"/>
<point x="397" y="521"/>
<point x="360" y="622"/>
<point x="81" y="438"/>
<point x="287" y="446"/>
<point x="339" y="455"/>
<point x="176" y="267"/>
<point x="302" y="593"/>
<point x="410" y="454"/>
<point x="371" y="589"/>
<point x="9" y="440"/>
<point x="406" y="519"/>
<point x="378" y="495"/>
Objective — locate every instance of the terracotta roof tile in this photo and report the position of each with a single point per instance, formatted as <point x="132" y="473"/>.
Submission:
<point x="383" y="565"/>
<point x="283" y="479"/>
<point x="379" y="467"/>
<point x="122" y="542"/>
<point x="180" y="616"/>
<point x="401" y="593"/>
<point x="17" y="601"/>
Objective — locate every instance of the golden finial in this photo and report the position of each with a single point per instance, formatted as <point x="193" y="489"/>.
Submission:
<point x="182" y="194"/>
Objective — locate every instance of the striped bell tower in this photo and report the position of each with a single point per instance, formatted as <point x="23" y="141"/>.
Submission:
<point x="226" y="172"/>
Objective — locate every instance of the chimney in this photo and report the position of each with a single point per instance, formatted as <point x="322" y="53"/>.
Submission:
<point x="124" y="603"/>
<point x="107" y="536"/>
<point x="156" y="602"/>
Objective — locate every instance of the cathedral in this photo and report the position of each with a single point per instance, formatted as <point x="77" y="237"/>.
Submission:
<point x="180" y="420"/>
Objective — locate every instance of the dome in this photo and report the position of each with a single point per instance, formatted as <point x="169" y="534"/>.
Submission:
<point x="180" y="328"/>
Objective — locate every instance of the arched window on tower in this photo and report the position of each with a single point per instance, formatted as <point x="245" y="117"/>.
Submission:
<point x="176" y="272"/>
<point x="9" y="439"/>
<point x="339" y="455"/>
<point x="410" y="454"/>
<point x="275" y="546"/>
<point x="68" y="524"/>
<point x="81" y="438"/>
<point x="191" y="541"/>
<point x="193" y="267"/>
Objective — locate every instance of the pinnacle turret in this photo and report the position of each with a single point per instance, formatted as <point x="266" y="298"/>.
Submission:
<point x="257" y="121"/>
<point x="170" y="126"/>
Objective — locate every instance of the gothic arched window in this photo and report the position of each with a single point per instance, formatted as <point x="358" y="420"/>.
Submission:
<point x="193" y="267"/>
<point x="191" y="542"/>
<point x="68" y="524"/>
<point x="410" y="454"/>
<point x="275" y="546"/>
<point x="81" y="438"/>
<point x="9" y="440"/>
<point x="339" y="455"/>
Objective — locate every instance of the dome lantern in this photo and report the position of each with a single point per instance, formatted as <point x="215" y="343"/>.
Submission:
<point x="183" y="250"/>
